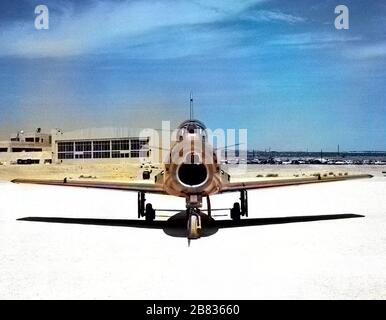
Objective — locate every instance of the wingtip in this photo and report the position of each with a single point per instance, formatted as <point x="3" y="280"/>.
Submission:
<point x="18" y="180"/>
<point x="23" y="219"/>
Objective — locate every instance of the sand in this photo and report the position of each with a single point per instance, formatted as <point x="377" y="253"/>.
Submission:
<point x="102" y="171"/>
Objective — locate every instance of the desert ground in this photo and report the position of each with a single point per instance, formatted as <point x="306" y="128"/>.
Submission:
<point x="100" y="171"/>
<point x="336" y="259"/>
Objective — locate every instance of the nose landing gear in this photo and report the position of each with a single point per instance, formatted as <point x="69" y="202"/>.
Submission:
<point x="194" y="224"/>
<point x="193" y="215"/>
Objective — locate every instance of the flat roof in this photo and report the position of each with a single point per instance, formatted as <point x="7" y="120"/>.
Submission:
<point x="102" y="133"/>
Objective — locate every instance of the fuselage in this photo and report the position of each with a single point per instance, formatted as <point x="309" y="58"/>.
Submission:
<point x="191" y="167"/>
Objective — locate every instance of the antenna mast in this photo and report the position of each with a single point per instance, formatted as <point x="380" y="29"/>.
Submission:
<point x="191" y="105"/>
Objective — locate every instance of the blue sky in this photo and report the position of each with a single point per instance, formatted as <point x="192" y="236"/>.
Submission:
<point x="279" y="69"/>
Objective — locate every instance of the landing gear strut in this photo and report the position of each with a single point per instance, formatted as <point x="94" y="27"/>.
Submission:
<point x="209" y="207"/>
<point x="240" y="209"/>
<point x="145" y="209"/>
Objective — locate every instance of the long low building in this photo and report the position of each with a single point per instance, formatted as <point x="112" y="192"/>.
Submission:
<point x="84" y="145"/>
<point x="101" y="144"/>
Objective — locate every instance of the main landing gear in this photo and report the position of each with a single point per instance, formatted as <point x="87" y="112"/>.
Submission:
<point x="240" y="208"/>
<point x="196" y="220"/>
<point x="193" y="213"/>
<point x="145" y="209"/>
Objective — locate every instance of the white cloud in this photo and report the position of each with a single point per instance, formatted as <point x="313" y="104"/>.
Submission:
<point x="267" y="15"/>
<point x="74" y="33"/>
<point x="372" y="51"/>
<point x="311" y="39"/>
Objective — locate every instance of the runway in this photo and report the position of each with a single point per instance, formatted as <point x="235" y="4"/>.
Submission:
<point x="332" y="259"/>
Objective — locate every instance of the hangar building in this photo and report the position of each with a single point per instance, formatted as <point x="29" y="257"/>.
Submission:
<point x="84" y="145"/>
<point x="101" y="144"/>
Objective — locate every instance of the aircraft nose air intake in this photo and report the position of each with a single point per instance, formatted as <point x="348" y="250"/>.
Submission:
<point x="192" y="174"/>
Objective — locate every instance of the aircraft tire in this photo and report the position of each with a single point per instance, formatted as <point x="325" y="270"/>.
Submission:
<point x="235" y="211"/>
<point x="149" y="212"/>
<point x="193" y="227"/>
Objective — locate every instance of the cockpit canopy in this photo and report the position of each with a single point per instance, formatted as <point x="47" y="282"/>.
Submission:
<point x="191" y="127"/>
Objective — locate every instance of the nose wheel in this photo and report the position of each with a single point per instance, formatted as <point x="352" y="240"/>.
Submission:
<point x="194" y="224"/>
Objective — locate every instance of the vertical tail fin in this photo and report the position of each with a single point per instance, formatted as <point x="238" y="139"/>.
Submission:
<point x="191" y="105"/>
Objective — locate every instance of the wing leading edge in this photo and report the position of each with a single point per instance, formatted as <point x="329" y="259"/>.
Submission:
<point x="158" y="188"/>
<point x="246" y="185"/>
<point x="124" y="186"/>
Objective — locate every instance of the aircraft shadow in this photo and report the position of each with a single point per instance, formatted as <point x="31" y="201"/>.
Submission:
<point x="282" y="220"/>
<point x="100" y="222"/>
<point x="175" y="226"/>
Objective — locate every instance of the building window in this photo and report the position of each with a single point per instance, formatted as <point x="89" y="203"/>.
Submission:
<point x="101" y="155"/>
<point x="29" y="139"/>
<point x="102" y="149"/>
<point x="135" y="144"/>
<point x="27" y="149"/>
<point x="84" y="155"/>
<point x="117" y="154"/>
<point x="125" y="145"/>
<point x="139" y="148"/>
<point x="65" y="150"/>
<point x="83" y="146"/>
<point x="66" y="155"/>
<point x="65" y="147"/>
<point x="87" y="155"/>
<point x="134" y="154"/>
<point x="101" y="145"/>
<point x="37" y="140"/>
<point x="120" y="145"/>
<point x="116" y="145"/>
